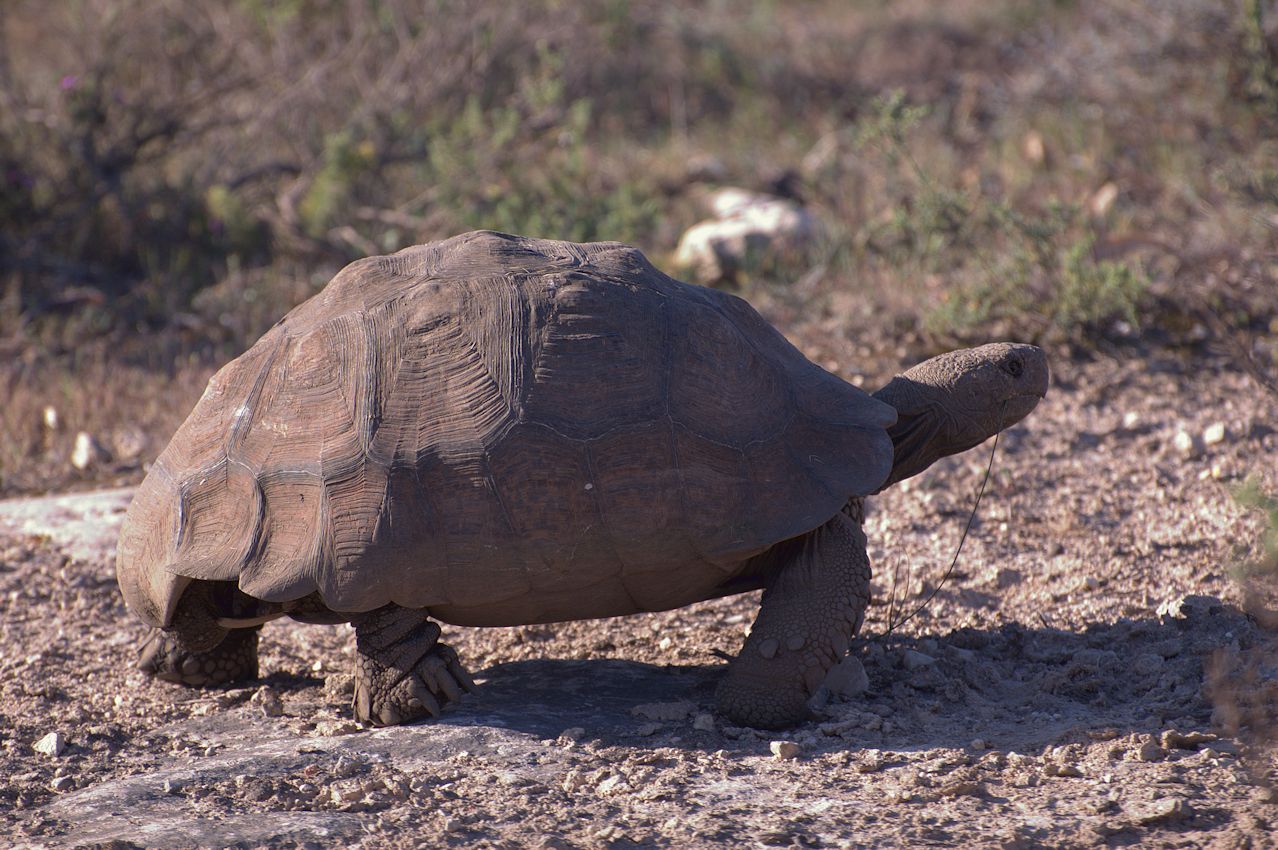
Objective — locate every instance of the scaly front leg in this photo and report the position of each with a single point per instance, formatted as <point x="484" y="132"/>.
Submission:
<point x="811" y="610"/>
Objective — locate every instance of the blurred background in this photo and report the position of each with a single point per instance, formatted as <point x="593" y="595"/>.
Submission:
<point x="882" y="179"/>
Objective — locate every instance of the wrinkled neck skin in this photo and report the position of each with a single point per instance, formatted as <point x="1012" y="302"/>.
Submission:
<point x="926" y="430"/>
<point x="958" y="400"/>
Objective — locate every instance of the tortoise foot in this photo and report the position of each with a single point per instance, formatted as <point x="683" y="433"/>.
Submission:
<point x="808" y="615"/>
<point x="233" y="659"/>
<point x="760" y="705"/>
<point x="402" y="672"/>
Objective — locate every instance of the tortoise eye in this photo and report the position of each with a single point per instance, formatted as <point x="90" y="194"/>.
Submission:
<point x="1014" y="367"/>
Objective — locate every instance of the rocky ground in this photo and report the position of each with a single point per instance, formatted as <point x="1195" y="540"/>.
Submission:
<point x="1085" y="678"/>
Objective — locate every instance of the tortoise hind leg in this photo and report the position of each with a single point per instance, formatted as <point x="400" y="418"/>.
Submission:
<point x="233" y="659"/>
<point x="196" y="649"/>
<point x="811" y="609"/>
<point x="402" y="671"/>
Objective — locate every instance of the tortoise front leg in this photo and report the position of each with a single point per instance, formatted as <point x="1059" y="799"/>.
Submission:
<point x="402" y="671"/>
<point x="232" y="659"/>
<point x="810" y="611"/>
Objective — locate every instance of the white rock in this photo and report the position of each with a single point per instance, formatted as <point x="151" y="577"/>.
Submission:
<point x="1103" y="198"/>
<point x="731" y="200"/>
<point x="915" y="660"/>
<point x="1214" y="434"/>
<point x="50" y="417"/>
<point x="784" y="750"/>
<point x="609" y="785"/>
<point x="346" y="791"/>
<point x="847" y="678"/>
<point x="50" y="745"/>
<point x="1186" y="444"/>
<point x="1191" y="607"/>
<point x="748" y="226"/>
<point x="268" y="701"/>
<point x="704" y="722"/>
<point x="87" y="452"/>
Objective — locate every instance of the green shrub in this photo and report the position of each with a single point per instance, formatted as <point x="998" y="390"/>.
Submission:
<point x="1263" y="565"/>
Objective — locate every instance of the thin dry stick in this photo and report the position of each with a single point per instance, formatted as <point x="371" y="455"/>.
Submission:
<point x="971" y="518"/>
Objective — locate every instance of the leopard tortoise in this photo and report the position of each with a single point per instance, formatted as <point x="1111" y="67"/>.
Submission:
<point x="494" y="430"/>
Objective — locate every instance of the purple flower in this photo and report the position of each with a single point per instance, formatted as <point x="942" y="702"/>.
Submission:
<point x="69" y="82"/>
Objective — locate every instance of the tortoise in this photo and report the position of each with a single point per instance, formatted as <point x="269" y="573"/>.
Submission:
<point x="494" y="430"/>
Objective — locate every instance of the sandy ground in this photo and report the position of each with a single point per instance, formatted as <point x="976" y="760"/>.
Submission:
<point x="1086" y="678"/>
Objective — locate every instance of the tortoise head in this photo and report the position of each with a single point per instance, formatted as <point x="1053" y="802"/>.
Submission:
<point x="959" y="399"/>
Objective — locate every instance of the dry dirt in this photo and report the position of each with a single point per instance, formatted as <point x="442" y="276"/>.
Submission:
<point x="1060" y="691"/>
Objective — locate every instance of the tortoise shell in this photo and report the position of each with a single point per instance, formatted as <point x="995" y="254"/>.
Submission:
<point x="501" y="430"/>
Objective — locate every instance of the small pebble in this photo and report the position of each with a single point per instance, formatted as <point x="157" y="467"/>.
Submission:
<point x="334" y="728"/>
<point x="51" y="745"/>
<point x="1165" y="811"/>
<point x="961" y="788"/>
<point x="704" y="722"/>
<point x="1191" y="607"/>
<point x="784" y="750"/>
<point x="87" y="451"/>
<point x="1214" y="434"/>
<point x="871" y="762"/>
<point x="1150" y="751"/>
<point x="1186" y="444"/>
<point x="62" y="783"/>
<point x="1173" y="740"/>
<point x="977" y="744"/>
<point x="349" y="791"/>
<point x="847" y="679"/>
<point x="268" y="702"/>
<point x="1065" y="769"/>
<point x="914" y="660"/>
<point x="609" y="785"/>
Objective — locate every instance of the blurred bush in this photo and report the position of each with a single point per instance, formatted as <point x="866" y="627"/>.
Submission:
<point x="1035" y="168"/>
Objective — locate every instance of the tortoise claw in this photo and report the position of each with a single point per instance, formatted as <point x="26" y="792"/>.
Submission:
<point x="421" y="697"/>
<point x="402" y="672"/>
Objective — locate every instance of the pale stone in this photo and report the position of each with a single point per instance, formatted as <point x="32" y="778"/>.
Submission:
<point x="87" y="451"/>
<point x="51" y="744"/>
<point x="748" y="225"/>
<point x="914" y="660"/>
<point x="847" y="678"/>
